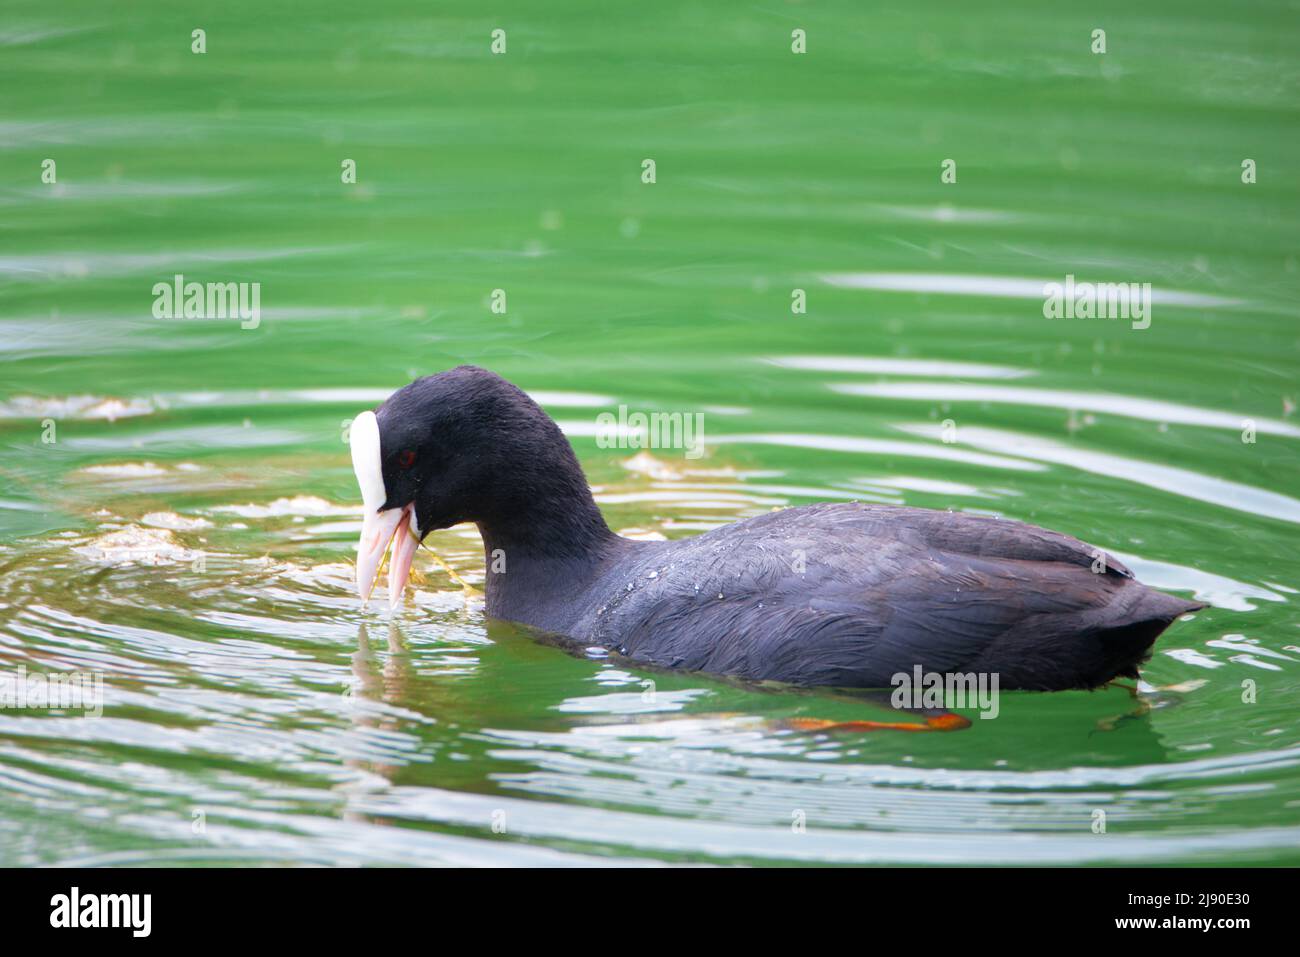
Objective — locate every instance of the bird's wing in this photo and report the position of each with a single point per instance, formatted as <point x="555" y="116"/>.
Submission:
<point x="852" y="595"/>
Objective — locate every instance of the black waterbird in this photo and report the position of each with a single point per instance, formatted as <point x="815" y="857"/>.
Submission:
<point x="843" y="594"/>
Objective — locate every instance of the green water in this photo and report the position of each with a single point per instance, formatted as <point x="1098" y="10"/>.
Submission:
<point x="178" y="511"/>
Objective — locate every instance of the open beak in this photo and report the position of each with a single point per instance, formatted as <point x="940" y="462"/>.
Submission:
<point x="378" y="531"/>
<point x="380" y="527"/>
<point x="399" y="566"/>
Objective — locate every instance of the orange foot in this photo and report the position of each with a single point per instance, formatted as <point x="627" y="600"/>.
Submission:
<point x="942" y="722"/>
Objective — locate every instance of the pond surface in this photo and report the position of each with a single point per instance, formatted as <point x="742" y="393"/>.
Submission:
<point x="178" y="512"/>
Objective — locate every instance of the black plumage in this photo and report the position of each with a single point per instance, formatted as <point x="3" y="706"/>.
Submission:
<point x="843" y="594"/>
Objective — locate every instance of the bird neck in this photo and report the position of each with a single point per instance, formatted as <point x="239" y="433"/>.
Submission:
<point x="538" y="584"/>
<point x="546" y="530"/>
<point x="542" y="546"/>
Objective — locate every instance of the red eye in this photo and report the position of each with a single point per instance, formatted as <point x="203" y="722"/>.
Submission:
<point x="405" y="459"/>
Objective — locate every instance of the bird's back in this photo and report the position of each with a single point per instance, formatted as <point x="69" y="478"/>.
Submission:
<point x="849" y="595"/>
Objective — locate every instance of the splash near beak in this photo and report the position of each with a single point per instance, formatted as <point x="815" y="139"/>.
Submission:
<point x="378" y="528"/>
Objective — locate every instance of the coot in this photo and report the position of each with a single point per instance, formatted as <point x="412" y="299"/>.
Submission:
<point x="844" y="594"/>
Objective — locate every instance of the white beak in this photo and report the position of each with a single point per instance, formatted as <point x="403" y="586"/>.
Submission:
<point x="377" y="532"/>
<point x="379" y="528"/>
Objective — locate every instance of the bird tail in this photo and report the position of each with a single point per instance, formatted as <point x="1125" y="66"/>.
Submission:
<point x="1129" y="644"/>
<point x="1158" y="605"/>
